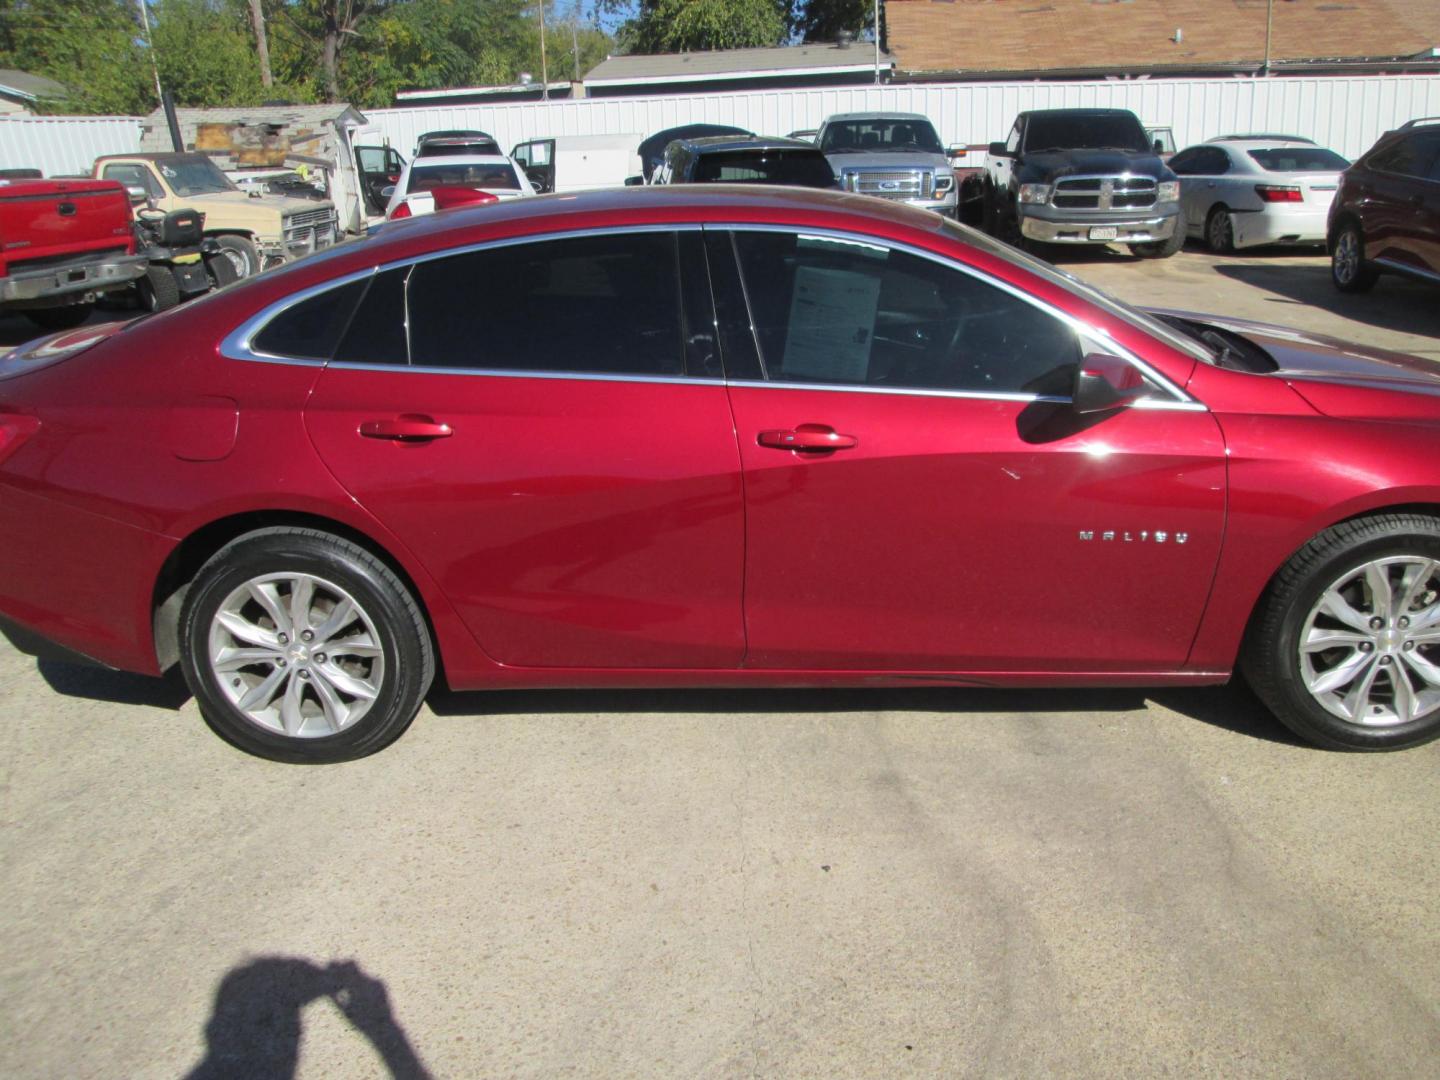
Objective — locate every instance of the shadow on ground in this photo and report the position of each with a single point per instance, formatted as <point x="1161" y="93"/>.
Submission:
<point x="1398" y="304"/>
<point x="121" y="687"/>
<point x="1232" y="707"/>
<point x="255" y="1026"/>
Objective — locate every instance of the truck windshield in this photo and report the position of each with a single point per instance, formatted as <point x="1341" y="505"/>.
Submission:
<point x="193" y="174"/>
<point x="801" y="168"/>
<point x="880" y="137"/>
<point x="1086" y="131"/>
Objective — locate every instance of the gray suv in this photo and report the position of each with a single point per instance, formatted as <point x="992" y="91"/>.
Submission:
<point x="890" y="155"/>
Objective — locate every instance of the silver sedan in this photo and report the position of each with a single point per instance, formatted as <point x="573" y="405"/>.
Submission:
<point x="1245" y="192"/>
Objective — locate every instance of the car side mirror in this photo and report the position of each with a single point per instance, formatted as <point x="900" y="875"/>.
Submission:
<point x="634" y="181"/>
<point x="387" y="191"/>
<point x="1159" y="145"/>
<point x="137" y="194"/>
<point x="998" y="149"/>
<point x="1104" y="382"/>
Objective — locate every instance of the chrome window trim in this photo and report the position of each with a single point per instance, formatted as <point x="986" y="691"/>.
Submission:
<point x="523" y="373"/>
<point x="1081" y="327"/>
<point x="236" y="345"/>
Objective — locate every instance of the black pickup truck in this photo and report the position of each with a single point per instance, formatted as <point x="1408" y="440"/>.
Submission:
<point x="1082" y="176"/>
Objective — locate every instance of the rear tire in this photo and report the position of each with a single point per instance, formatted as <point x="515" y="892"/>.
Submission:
<point x="300" y="646"/>
<point x="1220" y="231"/>
<point x="158" y="289"/>
<point x="60" y="318"/>
<point x="1345" y="646"/>
<point x="1349" y="272"/>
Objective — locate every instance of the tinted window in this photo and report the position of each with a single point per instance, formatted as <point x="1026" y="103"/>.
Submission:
<point x="1183" y="163"/>
<point x="802" y="168"/>
<point x="1299" y="159"/>
<point x="1405" y="157"/>
<point x="1085" y="131"/>
<point x="850" y="136"/>
<point x="833" y="311"/>
<point x="605" y="304"/>
<point x="377" y="331"/>
<point x="310" y="329"/>
<point x="429" y="177"/>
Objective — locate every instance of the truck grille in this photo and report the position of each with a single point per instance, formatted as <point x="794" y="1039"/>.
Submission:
<point x="890" y="184"/>
<point x="1104" y="193"/>
<point x="311" y="218"/>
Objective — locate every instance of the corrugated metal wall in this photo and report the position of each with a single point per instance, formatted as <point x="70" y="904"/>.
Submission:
<point x="59" y="145"/>
<point x="1346" y="114"/>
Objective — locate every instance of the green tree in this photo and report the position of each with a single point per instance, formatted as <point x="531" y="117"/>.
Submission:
<point x="92" y="47"/>
<point x="700" y="25"/>
<point x="206" y="54"/>
<point x="822" y="20"/>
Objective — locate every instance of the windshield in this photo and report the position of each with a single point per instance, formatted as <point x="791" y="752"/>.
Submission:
<point x="799" y="168"/>
<point x="1173" y="337"/>
<point x="429" y="177"/>
<point x="1299" y="159"/>
<point x="194" y="174"/>
<point x="1085" y="131"/>
<point x="880" y="136"/>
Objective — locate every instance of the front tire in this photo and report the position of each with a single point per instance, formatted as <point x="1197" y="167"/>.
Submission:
<point x="300" y="646"/>
<point x="1349" y="272"/>
<point x="158" y="289"/>
<point x="1162" y="249"/>
<point x="1345" y="647"/>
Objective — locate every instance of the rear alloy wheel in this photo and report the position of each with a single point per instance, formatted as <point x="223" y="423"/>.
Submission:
<point x="300" y="646"/>
<point x="1347" y="647"/>
<point x="1348" y="269"/>
<point x="1220" y="231"/>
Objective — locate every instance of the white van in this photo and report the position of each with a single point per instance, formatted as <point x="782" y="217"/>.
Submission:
<point x="579" y="162"/>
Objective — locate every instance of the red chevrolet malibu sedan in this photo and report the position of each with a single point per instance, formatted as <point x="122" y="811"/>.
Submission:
<point x="706" y="435"/>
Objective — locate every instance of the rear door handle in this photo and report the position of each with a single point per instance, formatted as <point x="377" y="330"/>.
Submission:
<point x="813" y="438"/>
<point x="406" y="429"/>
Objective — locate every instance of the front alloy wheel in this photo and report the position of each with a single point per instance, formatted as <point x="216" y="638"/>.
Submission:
<point x="1371" y="645"/>
<point x="1345" y="645"/>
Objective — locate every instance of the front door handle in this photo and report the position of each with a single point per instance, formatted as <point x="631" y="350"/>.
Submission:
<point x="410" y="428"/>
<point x="812" y="438"/>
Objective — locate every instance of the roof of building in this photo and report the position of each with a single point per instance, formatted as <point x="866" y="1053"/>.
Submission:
<point x="816" y="59"/>
<point x="303" y="115"/>
<point x="1114" y="36"/>
<point x="22" y="84"/>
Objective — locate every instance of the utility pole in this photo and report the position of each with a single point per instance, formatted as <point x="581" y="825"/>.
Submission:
<point x="1269" y="27"/>
<point x="544" y="75"/>
<point x="262" y="44"/>
<point x="575" y="38"/>
<point x="150" y="45"/>
<point x="877" y="42"/>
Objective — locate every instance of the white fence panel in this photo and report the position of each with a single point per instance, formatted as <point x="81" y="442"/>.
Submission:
<point x="61" y="145"/>
<point x="1345" y="113"/>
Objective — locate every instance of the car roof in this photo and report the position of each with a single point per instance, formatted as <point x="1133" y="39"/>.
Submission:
<point x="1262" y="137"/>
<point x="907" y="117"/>
<point x="735" y="142"/>
<point x="620" y="207"/>
<point x="1078" y="112"/>
<point x="455" y="133"/>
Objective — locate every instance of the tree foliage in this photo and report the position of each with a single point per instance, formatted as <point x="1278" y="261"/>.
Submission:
<point x="206" y="52"/>
<point x="697" y="25"/>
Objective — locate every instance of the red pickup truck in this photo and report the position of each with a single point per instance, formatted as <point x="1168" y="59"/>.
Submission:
<point x="62" y="243"/>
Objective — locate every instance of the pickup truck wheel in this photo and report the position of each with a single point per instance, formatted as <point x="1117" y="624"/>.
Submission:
<point x="1345" y="646"/>
<point x="1220" y="231"/>
<point x="243" y="255"/>
<point x="1348" y="269"/>
<point x="220" y="270"/>
<point x="60" y="318"/>
<point x="1161" y="249"/>
<point x="158" y="290"/>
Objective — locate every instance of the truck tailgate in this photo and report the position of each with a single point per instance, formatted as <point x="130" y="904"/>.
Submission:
<point x="45" y="222"/>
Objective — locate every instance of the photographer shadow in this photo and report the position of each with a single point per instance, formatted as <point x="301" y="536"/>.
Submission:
<point x="255" y="1025"/>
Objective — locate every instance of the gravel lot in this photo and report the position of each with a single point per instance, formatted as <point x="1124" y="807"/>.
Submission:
<point x="867" y="883"/>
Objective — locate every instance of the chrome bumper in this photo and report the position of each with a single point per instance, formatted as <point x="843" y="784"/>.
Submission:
<point x="64" y="281"/>
<point x="1127" y="231"/>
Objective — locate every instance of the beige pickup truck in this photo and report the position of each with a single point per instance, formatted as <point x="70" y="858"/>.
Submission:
<point x="254" y="231"/>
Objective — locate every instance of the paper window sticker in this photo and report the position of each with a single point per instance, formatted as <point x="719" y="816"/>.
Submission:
<point x="832" y="325"/>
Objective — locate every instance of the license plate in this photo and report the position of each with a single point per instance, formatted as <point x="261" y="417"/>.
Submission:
<point x="1107" y="232"/>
